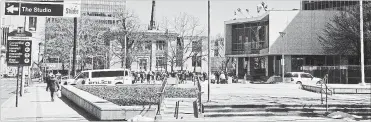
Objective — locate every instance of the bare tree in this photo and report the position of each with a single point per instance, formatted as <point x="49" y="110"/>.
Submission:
<point x="342" y="33"/>
<point x="190" y="37"/>
<point x="130" y="28"/>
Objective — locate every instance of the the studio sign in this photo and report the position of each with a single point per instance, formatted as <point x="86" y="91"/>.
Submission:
<point x="71" y="10"/>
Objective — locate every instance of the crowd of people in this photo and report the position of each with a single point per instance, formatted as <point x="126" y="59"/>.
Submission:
<point x="217" y="77"/>
<point x="150" y="77"/>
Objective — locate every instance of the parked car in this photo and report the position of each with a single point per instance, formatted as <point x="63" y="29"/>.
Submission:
<point x="65" y="80"/>
<point x="301" y="78"/>
<point x="104" y="77"/>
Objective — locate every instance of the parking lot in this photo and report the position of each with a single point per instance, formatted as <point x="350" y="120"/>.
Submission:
<point x="273" y="94"/>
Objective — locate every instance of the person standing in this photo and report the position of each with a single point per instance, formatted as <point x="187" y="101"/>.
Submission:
<point x="217" y="77"/>
<point x="149" y="77"/>
<point x="52" y="85"/>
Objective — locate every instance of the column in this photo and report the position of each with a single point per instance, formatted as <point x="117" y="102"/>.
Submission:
<point x="274" y="65"/>
<point x="288" y="63"/>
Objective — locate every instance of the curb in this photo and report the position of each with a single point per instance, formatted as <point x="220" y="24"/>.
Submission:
<point x="7" y="101"/>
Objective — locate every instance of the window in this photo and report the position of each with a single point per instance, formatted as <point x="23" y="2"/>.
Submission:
<point x="148" y="45"/>
<point x="143" y="64"/>
<point x="160" y="45"/>
<point x="179" y="58"/>
<point x="291" y="75"/>
<point x="196" y="46"/>
<point x="305" y="76"/>
<point x="160" y="62"/>
<point x="196" y="60"/>
<point x="99" y="74"/>
<point x="216" y="52"/>
<point x="82" y="75"/>
<point x="32" y="23"/>
<point x="53" y="60"/>
<point x="238" y="37"/>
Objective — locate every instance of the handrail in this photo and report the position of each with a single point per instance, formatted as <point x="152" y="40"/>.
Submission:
<point x="161" y="95"/>
<point x="199" y="94"/>
<point x="176" y="113"/>
<point x="325" y="79"/>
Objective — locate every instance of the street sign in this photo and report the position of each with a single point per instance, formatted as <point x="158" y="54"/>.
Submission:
<point x="19" y="52"/>
<point x="41" y="9"/>
<point x="11" y="8"/>
<point x="19" y="48"/>
<point x="66" y="9"/>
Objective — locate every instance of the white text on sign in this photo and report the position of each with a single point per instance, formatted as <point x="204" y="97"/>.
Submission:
<point x="36" y="9"/>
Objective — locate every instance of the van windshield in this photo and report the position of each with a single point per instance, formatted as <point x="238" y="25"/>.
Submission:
<point x="99" y="74"/>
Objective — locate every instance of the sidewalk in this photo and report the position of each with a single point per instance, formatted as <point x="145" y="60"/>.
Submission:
<point x="36" y="105"/>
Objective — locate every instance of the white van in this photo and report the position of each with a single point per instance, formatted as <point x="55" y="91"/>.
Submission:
<point x="103" y="77"/>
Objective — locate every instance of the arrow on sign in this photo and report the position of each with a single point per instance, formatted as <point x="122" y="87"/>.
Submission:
<point x="11" y="9"/>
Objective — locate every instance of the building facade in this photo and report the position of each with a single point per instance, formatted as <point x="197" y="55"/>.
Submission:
<point x="260" y="44"/>
<point x="165" y="51"/>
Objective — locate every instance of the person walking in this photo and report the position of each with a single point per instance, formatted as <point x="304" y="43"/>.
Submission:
<point x="52" y="85"/>
<point x="223" y="78"/>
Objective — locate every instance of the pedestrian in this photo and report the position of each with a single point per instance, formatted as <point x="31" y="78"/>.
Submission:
<point x="141" y="77"/>
<point x="52" y="85"/>
<point x="212" y="78"/>
<point x="204" y="76"/>
<point x="148" y="77"/>
<point x="222" y="78"/>
<point x="217" y="78"/>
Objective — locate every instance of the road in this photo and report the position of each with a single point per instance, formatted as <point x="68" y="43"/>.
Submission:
<point x="7" y="86"/>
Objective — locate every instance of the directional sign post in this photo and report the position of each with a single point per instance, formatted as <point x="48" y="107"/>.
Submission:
<point x="65" y="9"/>
<point x="19" y="52"/>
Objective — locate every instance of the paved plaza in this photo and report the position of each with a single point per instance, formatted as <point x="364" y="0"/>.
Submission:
<point x="274" y="94"/>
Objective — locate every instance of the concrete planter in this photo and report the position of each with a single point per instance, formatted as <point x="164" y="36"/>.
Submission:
<point x="103" y="109"/>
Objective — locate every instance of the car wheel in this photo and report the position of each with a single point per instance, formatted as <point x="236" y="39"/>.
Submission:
<point x="118" y="83"/>
<point x="319" y="82"/>
<point x="299" y="82"/>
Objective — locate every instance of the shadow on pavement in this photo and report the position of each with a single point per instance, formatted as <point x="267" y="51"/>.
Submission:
<point x="41" y="101"/>
<point x="79" y="110"/>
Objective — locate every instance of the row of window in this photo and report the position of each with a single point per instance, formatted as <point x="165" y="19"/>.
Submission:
<point x="328" y="4"/>
<point x="242" y="34"/>
<point x="56" y="20"/>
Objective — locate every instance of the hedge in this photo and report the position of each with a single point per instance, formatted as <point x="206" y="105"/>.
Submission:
<point x="129" y="95"/>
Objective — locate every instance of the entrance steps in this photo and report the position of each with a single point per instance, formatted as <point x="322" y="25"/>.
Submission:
<point x="247" y="110"/>
<point x="185" y="109"/>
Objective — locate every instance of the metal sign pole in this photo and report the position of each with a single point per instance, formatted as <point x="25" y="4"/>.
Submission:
<point x="22" y="76"/>
<point x="16" y="91"/>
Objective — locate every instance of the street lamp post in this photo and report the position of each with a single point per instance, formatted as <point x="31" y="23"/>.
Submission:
<point x="362" y="46"/>
<point x="283" y="58"/>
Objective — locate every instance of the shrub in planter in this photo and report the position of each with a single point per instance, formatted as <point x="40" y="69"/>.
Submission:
<point x="137" y="94"/>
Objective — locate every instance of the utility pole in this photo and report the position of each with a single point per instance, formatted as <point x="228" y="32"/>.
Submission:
<point x="208" y="50"/>
<point x="362" y="46"/>
<point x="74" y="45"/>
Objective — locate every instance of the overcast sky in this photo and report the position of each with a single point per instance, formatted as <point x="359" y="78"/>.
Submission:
<point x="221" y="10"/>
